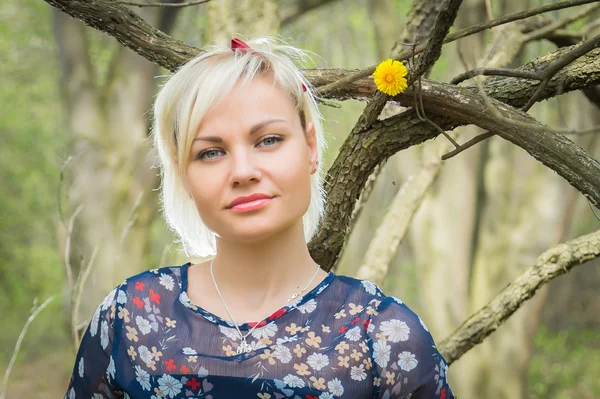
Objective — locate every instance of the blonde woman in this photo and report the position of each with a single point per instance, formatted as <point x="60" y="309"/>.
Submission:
<point x="239" y="138"/>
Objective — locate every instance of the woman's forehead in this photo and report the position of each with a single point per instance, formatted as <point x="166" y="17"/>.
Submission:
<point x="250" y="103"/>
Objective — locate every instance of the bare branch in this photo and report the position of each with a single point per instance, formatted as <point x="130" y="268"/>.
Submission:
<point x="129" y="29"/>
<point x="556" y="66"/>
<point x="76" y="298"/>
<point x="545" y="31"/>
<point x="515" y="73"/>
<point x="433" y="49"/>
<point x="554" y="262"/>
<point x="36" y="311"/>
<point x="451" y="106"/>
<point x="331" y="88"/>
<point x="185" y="4"/>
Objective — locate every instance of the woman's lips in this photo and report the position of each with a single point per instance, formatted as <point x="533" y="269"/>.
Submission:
<point x="250" y="206"/>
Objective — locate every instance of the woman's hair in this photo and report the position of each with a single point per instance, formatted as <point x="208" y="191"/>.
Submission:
<point x="184" y="100"/>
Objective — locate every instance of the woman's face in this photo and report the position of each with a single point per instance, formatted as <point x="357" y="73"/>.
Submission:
<point x="252" y="142"/>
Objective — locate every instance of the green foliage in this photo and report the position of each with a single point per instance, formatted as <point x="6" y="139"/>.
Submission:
<point x="30" y="126"/>
<point x="565" y="364"/>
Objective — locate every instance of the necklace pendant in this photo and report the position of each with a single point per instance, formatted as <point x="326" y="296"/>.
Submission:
<point x="243" y="347"/>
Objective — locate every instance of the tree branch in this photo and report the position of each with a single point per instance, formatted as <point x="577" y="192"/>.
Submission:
<point x="556" y="66"/>
<point x="185" y="4"/>
<point x="554" y="262"/>
<point x="450" y="106"/>
<point x="129" y="29"/>
<point x="331" y="88"/>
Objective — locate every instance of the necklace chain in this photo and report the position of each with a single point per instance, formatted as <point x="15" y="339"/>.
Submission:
<point x="243" y="347"/>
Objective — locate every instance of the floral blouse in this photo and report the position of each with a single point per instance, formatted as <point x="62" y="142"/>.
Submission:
<point x="343" y="339"/>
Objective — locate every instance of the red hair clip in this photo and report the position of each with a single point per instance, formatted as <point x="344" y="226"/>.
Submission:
<point x="237" y="44"/>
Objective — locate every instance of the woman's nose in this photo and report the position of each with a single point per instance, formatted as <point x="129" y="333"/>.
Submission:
<point x="244" y="167"/>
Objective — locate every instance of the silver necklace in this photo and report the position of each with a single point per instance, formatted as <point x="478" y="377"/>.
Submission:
<point x="244" y="347"/>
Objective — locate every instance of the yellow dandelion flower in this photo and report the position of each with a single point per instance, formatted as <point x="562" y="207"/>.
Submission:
<point x="390" y="77"/>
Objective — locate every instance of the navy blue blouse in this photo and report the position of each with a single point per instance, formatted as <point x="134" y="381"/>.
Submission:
<point x="343" y="339"/>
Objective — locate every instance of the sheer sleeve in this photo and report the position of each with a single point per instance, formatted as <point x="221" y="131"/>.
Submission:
<point x="94" y="367"/>
<point x="405" y="358"/>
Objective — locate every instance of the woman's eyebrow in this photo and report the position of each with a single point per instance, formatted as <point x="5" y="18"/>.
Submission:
<point x="253" y="130"/>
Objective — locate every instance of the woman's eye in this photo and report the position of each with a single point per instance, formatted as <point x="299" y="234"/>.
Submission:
<point x="269" y="141"/>
<point x="203" y="154"/>
<point x="275" y="140"/>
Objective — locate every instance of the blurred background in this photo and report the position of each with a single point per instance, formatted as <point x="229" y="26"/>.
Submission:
<point x="78" y="194"/>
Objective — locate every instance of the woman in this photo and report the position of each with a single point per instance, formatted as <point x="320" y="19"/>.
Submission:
<point x="239" y="139"/>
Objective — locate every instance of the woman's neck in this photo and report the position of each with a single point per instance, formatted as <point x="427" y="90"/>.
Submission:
<point x="258" y="274"/>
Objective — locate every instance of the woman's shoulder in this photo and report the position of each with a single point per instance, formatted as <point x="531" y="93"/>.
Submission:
<point x="153" y="282"/>
<point x="370" y="293"/>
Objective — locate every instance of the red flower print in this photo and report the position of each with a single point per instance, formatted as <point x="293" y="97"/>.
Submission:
<point x="193" y="383"/>
<point x="443" y="393"/>
<point x="278" y="314"/>
<point x="154" y="297"/>
<point x="309" y="396"/>
<point x="343" y="329"/>
<point x="139" y="285"/>
<point x="357" y="318"/>
<point x="260" y="324"/>
<point x="366" y="323"/>
<point x="184" y="369"/>
<point x="138" y="302"/>
<point x="170" y="365"/>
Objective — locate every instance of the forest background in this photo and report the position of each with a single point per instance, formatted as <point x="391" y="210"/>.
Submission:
<point x="488" y="214"/>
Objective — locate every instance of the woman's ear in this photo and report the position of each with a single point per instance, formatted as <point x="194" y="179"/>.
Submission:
<point x="311" y="141"/>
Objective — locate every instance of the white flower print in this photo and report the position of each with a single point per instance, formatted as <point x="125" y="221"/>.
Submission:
<point x="110" y="371"/>
<point x="308" y="307"/>
<point x="398" y="301"/>
<point x="281" y="341"/>
<point x="265" y="331"/>
<point x="143" y="325"/>
<point x="353" y="334"/>
<point x="72" y="393"/>
<point x="202" y="372"/>
<point x="395" y="330"/>
<point x="169" y="385"/>
<point x="189" y="351"/>
<point x="166" y="281"/>
<point x="185" y="299"/>
<point x="423" y="324"/>
<point x="381" y="353"/>
<point x="283" y="353"/>
<point x="104" y="334"/>
<point x="326" y="395"/>
<point x="357" y="373"/>
<point x="335" y="387"/>
<point x="95" y="321"/>
<point x="145" y="354"/>
<point x="371" y="328"/>
<point x="317" y="361"/>
<point x="108" y="299"/>
<point x="369" y="286"/>
<point x="230" y="333"/>
<point x="81" y="367"/>
<point x="121" y="297"/>
<point x="256" y="345"/>
<point x="321" y="289"/>
<point x="407" y="361"/>
<point x="293" y="381"/>
<point x="142" y="377"/>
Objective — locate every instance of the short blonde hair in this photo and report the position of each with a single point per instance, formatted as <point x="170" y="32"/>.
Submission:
<point x="185" y="99"/>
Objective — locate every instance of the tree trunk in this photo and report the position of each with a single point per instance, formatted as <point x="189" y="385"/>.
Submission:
<point x="249" y="18"/>
<point x="110" y="174"/>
